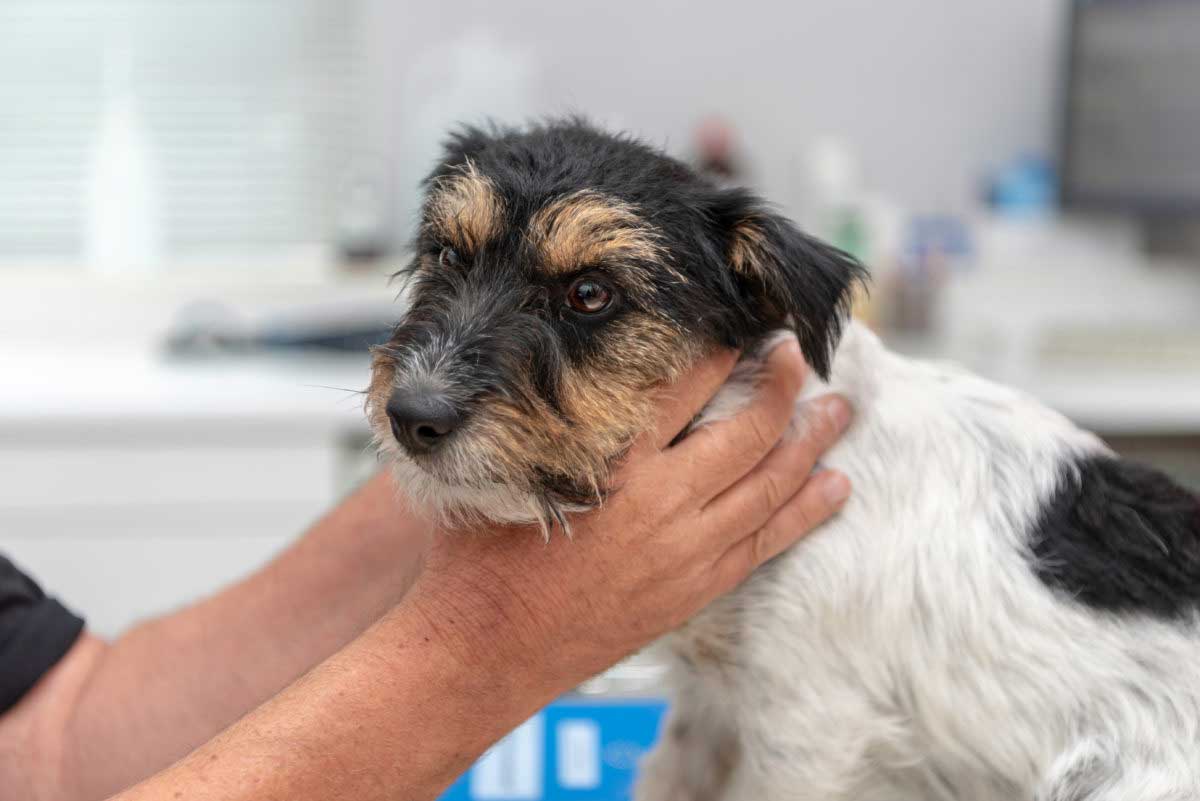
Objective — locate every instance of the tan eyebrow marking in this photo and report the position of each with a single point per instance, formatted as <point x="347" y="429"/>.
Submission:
<point x="587" y="227"/>
<point x="465" y="209"/>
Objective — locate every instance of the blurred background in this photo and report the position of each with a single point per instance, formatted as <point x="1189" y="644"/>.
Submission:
<point x="201" y="201"/>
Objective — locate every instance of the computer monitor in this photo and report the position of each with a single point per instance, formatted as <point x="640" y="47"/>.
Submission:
<point x="1131" y="124"/>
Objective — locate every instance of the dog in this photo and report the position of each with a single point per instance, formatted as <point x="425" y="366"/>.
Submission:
<point x="1003" y="610"/>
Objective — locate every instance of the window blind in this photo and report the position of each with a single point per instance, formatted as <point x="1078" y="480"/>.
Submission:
<point x="225" y="123"/>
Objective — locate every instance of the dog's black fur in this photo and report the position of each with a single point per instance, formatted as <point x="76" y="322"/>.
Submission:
<point x="808" y="286"/>
<point x="713" y="267"/>
<point x="1115" y="536"/>
<point x="1121" y="537"/>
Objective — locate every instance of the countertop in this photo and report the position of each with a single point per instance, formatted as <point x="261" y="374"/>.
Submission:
<point x="115" y="390"/>
<point x="111" y="391"/>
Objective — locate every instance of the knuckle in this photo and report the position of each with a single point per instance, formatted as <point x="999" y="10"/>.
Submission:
<point x="761" y="432"/>
<point x="802" y="520"/>
<point x="687" y="486"/>
<point x="774" y="491"/>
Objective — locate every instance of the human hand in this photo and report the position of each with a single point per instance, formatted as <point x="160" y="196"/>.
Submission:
<point x="501" y="622"/>
<point x="689" y="522"/>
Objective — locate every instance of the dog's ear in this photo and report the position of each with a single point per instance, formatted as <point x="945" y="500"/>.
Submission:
<point x="788" y="278"/>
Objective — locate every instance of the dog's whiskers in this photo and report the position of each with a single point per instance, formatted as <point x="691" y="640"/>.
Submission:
<point x="337" y="389"/>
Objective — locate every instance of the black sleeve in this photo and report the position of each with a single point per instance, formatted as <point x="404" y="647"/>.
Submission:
<point x="35" y="632"/>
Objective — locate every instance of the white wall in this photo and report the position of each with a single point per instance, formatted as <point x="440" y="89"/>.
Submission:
<point x="930" y="93"/>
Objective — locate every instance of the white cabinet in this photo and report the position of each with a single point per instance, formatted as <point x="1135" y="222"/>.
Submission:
<point x="131" y="484"/>
<point x="120" y="531"/>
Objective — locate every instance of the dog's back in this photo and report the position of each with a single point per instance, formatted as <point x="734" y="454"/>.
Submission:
<point x="1004" y="610"/>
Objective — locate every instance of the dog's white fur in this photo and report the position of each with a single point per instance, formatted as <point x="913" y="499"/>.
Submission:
<point x="906" y="650"/>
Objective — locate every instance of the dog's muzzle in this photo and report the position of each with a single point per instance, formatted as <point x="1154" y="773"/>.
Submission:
<point x="458" y="351"/>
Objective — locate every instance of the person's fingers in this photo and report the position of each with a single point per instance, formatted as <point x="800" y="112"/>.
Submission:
<point x="720" y="453"/>
<point x="819" y="499"/>
<point x="679" y="403"/>
<point x="750" y="502"/>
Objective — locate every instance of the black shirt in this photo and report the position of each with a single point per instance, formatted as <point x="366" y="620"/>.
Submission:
<point x="35" y="632"/>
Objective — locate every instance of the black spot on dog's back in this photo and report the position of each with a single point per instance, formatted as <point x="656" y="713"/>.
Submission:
<point x="1121" y="537"/>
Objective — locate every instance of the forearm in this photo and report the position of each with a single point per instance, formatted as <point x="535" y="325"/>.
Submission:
<point x="398" y="714"/>
<point x="495" y="627"/>
<point x="172" y="683"/>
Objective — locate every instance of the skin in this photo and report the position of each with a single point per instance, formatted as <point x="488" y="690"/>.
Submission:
<point x="421" y="682"/>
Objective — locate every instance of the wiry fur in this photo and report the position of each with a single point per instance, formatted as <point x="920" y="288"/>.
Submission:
<point x="1002" y="611"/>
<point x="908" y="651"/>
<point x="553" y="400"/>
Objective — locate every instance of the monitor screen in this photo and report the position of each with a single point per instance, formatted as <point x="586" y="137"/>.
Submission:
<point x="1131" y="134"/>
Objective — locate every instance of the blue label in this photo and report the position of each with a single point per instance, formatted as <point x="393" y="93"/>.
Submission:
<point x="573" y="750"/>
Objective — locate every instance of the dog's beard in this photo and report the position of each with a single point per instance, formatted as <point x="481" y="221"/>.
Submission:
<point x="460" y="488"/>
<point x="537" y="447"/>
<point x="456" y="498"/>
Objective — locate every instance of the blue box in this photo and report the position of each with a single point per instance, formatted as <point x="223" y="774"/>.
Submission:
<point x="573" y="750"/>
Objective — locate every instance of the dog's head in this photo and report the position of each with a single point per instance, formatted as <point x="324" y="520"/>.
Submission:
<point x="560" y="273"/>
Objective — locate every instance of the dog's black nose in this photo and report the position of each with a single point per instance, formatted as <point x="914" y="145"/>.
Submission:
<point x="421" y="420"/>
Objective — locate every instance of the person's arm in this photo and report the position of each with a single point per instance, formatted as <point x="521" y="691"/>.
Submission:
<point x="497" y="626"/>
<point x="109" y="715"/>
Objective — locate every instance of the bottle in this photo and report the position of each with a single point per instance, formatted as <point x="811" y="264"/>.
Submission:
<point x="123" y="204"/>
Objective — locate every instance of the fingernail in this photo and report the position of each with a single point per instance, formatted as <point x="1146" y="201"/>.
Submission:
<point x="789" y="342"/>
<point x="839" y="411"/>
<point x="835" y="488"/>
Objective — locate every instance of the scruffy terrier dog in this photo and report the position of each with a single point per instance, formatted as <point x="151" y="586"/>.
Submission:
<point x="1004" y="610"/>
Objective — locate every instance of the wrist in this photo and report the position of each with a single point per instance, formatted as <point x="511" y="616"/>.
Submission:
<point x="464" y="664"/>
<point x="490" y="627"/>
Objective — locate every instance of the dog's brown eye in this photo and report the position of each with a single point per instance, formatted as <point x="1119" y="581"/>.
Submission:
<point x="449" y="258"/>
<point x="589" y="296"/>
